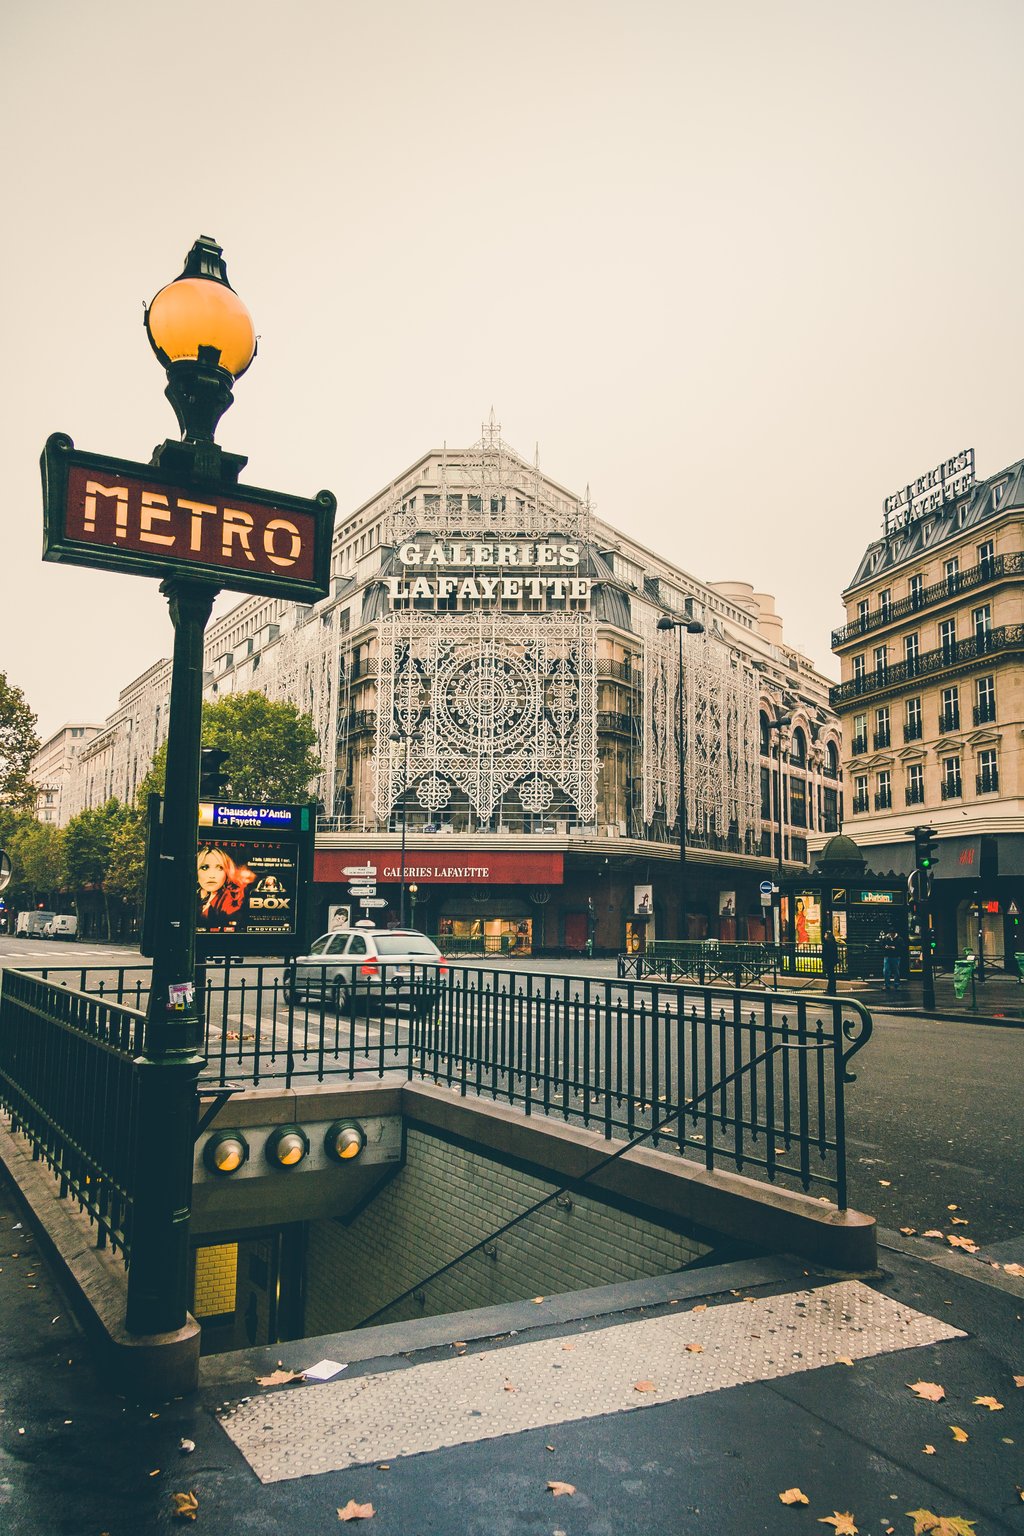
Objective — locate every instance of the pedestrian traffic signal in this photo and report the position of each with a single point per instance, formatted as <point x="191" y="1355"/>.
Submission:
<point x="212" y="760"/>
<point x="924" y="853"/>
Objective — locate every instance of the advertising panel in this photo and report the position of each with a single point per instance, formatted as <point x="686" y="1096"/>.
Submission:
<point x="247" y="886"/>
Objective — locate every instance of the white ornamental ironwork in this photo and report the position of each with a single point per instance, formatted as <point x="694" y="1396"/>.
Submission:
<point x="500" y="711"/>
<point x="720" y="719"/>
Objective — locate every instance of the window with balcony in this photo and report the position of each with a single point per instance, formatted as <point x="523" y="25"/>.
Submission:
<point x="883" y="730"/>
<point x="915" y="591"/>
<point x="885" y="603"/>
<point x="860" y="734"/>
<point x="860" y="794"/>
<point x="915" y="784"/>
<point x="911" y="651"/>
<point x="987" y="560"/>
<point x="951" y="572"/>
<point x="863" y="610"/>
<point x="947" y="636"/>
<point x="981" y="621"/>
<point x="985" y="701"/>
<point x="949" y="714"/>
<point x="988" y="772"/>
<point x="883" y="794"/>
<point x="952" y="785"/>
<point x="858" y="669"/>
<point x="881" y="655"/>
<point x="913" y="727"/>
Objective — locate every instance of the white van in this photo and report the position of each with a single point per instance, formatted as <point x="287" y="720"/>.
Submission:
<point x="63" y="926"/>
<point x="32" y="925"/>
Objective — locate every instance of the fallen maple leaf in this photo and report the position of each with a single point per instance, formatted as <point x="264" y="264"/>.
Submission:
<point x="843" y="1360"/>
<point x="354" y="1511"/>
<point x="644" y="1386"/>
<point x="185" y="1506"/>
<point x="960" y="1221"/>
<point x="278" y="1378"/>
<point x="929" y="1450"/>
<point x="930" y="1391"/>
<point x="1018" y="1381"/>
<point x="952" y="1207"/>
<point x="933" y="1232"/>
<point x="966" y="1243"/>
<point x="959" y="1435"/>
<point x="567" y="1347"/>
<point x="988" y="1402"/>
<point x="556" y="1488"/>
<point x="1013" y="1269"/>
<point x="927" y="1524"/>
<point x="509" y="1387"/>
<point x="694" y="1349"/>
<point x="886" y="1183"/>
<point x="537" y="1300"/>
<point x="701" y="1306"/>
<point x="843" y="1523"/>
<point x="793" y="1496"/>
<point x="908" y="1231"/>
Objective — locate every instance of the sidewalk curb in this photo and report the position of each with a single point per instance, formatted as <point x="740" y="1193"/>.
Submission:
<point x="966" y="1266"/>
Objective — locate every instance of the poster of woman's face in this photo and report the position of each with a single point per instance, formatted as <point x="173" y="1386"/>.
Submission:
<point x="245" y="887"/>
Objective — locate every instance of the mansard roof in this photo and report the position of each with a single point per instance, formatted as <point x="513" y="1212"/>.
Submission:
<point x="936" y="529"/>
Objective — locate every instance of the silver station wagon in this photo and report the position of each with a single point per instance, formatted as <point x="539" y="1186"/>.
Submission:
<point x="357" y="968"/>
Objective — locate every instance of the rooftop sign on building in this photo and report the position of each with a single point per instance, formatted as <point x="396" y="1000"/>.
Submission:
<point x="930" y="492"/>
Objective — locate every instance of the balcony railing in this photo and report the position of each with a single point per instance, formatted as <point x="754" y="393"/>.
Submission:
<point x="987" y="782"/>
<point x="952" y="789"/>
<point x="860" y="744"/>
<point x="861" y="804"/>
<point x="976" y="576"/>
<point x="883" y="800"/>
<point x="1006" y="641"/>
<point x="883" y="739"/>
<point x="984" y="714"/>
<point x="915" y="794"/>
<point x="913" y="730"/>
<point x="949" y="720"/>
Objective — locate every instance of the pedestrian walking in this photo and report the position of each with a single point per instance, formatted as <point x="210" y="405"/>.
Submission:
<point x="829" y="960"/>
<point x="890" y="960"/>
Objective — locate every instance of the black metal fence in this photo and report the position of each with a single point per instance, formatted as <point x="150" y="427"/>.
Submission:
<point x="68" y="1081"/>
<point x="742" y="963"/>
<point x="754" y="1081"/>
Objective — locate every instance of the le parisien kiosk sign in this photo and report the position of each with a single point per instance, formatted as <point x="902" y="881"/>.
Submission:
<point x="117" y="515"/>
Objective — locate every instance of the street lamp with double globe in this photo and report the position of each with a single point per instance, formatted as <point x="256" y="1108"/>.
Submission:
<point x="690" y="627"/>
<point x="405" y="737"/>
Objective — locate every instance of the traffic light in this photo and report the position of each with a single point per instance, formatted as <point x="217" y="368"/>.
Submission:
<point x="212" y="760"/>
<point x="924" y="851"/>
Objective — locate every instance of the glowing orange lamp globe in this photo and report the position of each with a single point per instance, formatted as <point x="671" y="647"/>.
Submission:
<point x="194" y="312"/>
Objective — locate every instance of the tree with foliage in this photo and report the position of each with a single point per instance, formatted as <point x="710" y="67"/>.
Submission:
<point x="88" y="840"/>
<point x="18" y="742"/>
<point x="271" y="750"/>
<point x="36" y="851"/>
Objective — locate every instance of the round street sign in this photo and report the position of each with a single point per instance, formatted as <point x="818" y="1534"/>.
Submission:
<point x="5" y="871"/>
<point x="766" y="887"/>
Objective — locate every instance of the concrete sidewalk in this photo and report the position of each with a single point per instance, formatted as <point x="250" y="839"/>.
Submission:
<point x="680" y="1405"/>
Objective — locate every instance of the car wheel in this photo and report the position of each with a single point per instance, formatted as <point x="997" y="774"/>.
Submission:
<point x="339" y="995"/>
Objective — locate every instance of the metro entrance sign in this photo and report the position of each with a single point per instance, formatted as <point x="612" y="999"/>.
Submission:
<point x="117" y="515"/>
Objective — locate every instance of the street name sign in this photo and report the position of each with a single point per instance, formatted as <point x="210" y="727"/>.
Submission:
<point x="359" y="871"/>
<point x="362" y="890"/>
<point x="117" y="515"/>
<point x="372" y="901"/>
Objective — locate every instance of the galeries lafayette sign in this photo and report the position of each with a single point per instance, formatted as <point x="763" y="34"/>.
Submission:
<point x="444" y="869"/>
<point x="117" y="515"/>
<point x="457" y="575"/>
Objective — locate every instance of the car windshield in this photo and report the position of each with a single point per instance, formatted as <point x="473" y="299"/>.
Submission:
<point x="404" y="944"/>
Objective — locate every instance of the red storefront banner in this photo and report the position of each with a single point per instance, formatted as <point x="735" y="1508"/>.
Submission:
<point x="442" y="868"/>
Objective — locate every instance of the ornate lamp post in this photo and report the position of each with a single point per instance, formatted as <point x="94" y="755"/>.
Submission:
<point x="203" y="335"/>
<point x="691" y="627"/>
<point x="413" y="894"/>
<point x="400" y="733"/>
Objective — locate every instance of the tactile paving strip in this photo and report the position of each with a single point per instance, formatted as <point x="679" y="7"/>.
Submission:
<point x="305" y="1430"/>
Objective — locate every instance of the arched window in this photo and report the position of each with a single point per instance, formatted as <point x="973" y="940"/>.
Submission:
<point x="765" y="744"/>
<point x="798" y="749"/>
<point x="832" y="760"/>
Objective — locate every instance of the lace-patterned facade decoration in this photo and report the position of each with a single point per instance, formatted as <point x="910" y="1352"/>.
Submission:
<point x="302" y="669"/>
<point x="490" y="489"/>
<point x="503" y="707"/>
<point x="722" y="735"/>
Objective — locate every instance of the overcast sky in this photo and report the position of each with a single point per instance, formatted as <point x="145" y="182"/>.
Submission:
<point x="745" y="267"/>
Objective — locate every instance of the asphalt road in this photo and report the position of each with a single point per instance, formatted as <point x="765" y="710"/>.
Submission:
<point x="933" y="1119"/>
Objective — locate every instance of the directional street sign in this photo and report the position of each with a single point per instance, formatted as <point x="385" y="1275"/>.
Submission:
<point x="362" y="890"/>
<point x="372" y="901"/>
<point x="766" y="887"/>
<point x="360" y="871"/>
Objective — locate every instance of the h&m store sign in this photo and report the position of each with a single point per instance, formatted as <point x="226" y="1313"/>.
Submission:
<point x="488" y="573"/>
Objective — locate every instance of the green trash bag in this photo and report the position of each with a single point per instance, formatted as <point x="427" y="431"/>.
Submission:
<point x="963" y="971"/>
